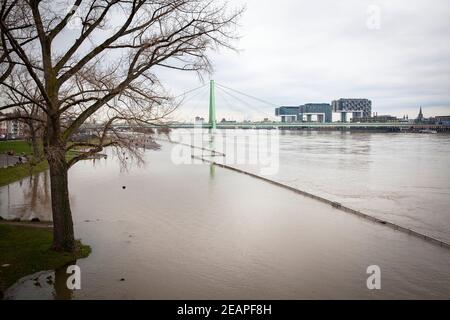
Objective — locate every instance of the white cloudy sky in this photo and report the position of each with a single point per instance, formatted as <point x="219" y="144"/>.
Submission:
<point x="294" y="52"/>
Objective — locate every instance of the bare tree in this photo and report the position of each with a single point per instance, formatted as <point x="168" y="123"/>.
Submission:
<point x="101" y="58"/>
<point x="21" y="109"/>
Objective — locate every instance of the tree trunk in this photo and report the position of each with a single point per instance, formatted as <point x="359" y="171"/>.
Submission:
<point x="37" y="156"/>
<point x="63" y="235"/>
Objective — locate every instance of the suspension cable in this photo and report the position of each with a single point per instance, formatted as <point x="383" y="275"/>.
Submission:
<point x="190" y="91"/>
<point x="247" y="95"/>
<point x="227" y="102"/>
<point x="244" y="102"/>
<point x="201" y="94"/>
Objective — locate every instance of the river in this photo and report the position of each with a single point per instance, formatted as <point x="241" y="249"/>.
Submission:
<point x="204" y="232"/>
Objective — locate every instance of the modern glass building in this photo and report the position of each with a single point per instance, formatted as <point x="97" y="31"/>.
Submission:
<point x="287" y="113"/>
<point x="310" y="112"/>
<point x="344" y="109"/>
<point x="315" y="112"/>
<point x="358" y="108"/>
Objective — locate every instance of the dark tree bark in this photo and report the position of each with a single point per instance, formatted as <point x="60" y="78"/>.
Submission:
<point x="37" y="155"/>
<point x="54" y="149"/>
<point x="63" y="235"/>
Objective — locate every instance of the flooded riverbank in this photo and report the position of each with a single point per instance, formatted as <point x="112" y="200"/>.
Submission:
<point x="403" y="178"/>
<point x="203" y="232"/>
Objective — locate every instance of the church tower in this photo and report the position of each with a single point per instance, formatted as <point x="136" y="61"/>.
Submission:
<point x="420" y="116"/>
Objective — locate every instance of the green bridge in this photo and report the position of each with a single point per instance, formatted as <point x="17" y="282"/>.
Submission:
<point x="308" y="125"/>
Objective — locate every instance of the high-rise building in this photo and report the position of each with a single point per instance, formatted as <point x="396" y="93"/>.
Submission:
<point x="315" y="112"/>
<point x="357" y="108"/>
<point x="309" y="112"/>
<point x="287" y="113"/>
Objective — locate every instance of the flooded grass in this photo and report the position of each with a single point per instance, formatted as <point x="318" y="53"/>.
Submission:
<point x="25" y="250"/>
<point x="17" y="172"/>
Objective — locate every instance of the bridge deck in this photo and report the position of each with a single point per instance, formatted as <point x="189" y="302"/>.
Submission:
<point x="296" y="125"/>
<point x="282" y="125"/>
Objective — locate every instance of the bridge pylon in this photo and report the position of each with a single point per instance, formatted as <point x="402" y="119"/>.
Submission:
<point x="212" y="105"/>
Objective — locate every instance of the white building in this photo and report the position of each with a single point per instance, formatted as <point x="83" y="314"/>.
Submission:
<point x="11" y="128"/>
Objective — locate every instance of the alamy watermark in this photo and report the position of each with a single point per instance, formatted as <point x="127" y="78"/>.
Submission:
<point x="74" y="280"/>
<point x="259" y="148"/>
<point x="374" y="280"/>
<point x="373" y="21"/>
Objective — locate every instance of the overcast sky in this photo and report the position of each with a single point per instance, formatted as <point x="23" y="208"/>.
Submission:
<point x="295" y="52"/>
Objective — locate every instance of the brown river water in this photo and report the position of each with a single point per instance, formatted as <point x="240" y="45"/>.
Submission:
<point x="204" y="232"/>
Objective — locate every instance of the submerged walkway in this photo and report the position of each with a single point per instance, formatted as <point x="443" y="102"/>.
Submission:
<point x="334" y="204"/>
<point x="7" y="160"/>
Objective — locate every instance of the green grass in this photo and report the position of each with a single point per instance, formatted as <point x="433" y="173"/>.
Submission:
<point x="19" y="146"/>
<point x="27" y="250"/>
<point x="20" y="171"/>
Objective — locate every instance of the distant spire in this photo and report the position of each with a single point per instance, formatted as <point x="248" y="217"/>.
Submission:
<point x="420" y="116"/>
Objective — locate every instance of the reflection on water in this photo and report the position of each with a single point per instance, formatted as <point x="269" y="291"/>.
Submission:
<point x="44" y="285"/>
<point x="212" y="170"/>
<point x="202" y="232"/>
<point x="30" y="197"/>
<point x="27" y="199"/>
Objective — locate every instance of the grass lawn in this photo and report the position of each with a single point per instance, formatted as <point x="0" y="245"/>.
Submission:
<point x="19" y="146"/>
<point x="27" y="250"/>
<point x="18" y="172"/>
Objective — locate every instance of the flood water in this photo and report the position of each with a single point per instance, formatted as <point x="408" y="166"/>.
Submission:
<point x="400" y="177"/>
<point x="204" y="232"/>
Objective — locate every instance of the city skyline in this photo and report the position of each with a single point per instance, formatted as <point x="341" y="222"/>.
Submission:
<point x="322" y="51"/>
